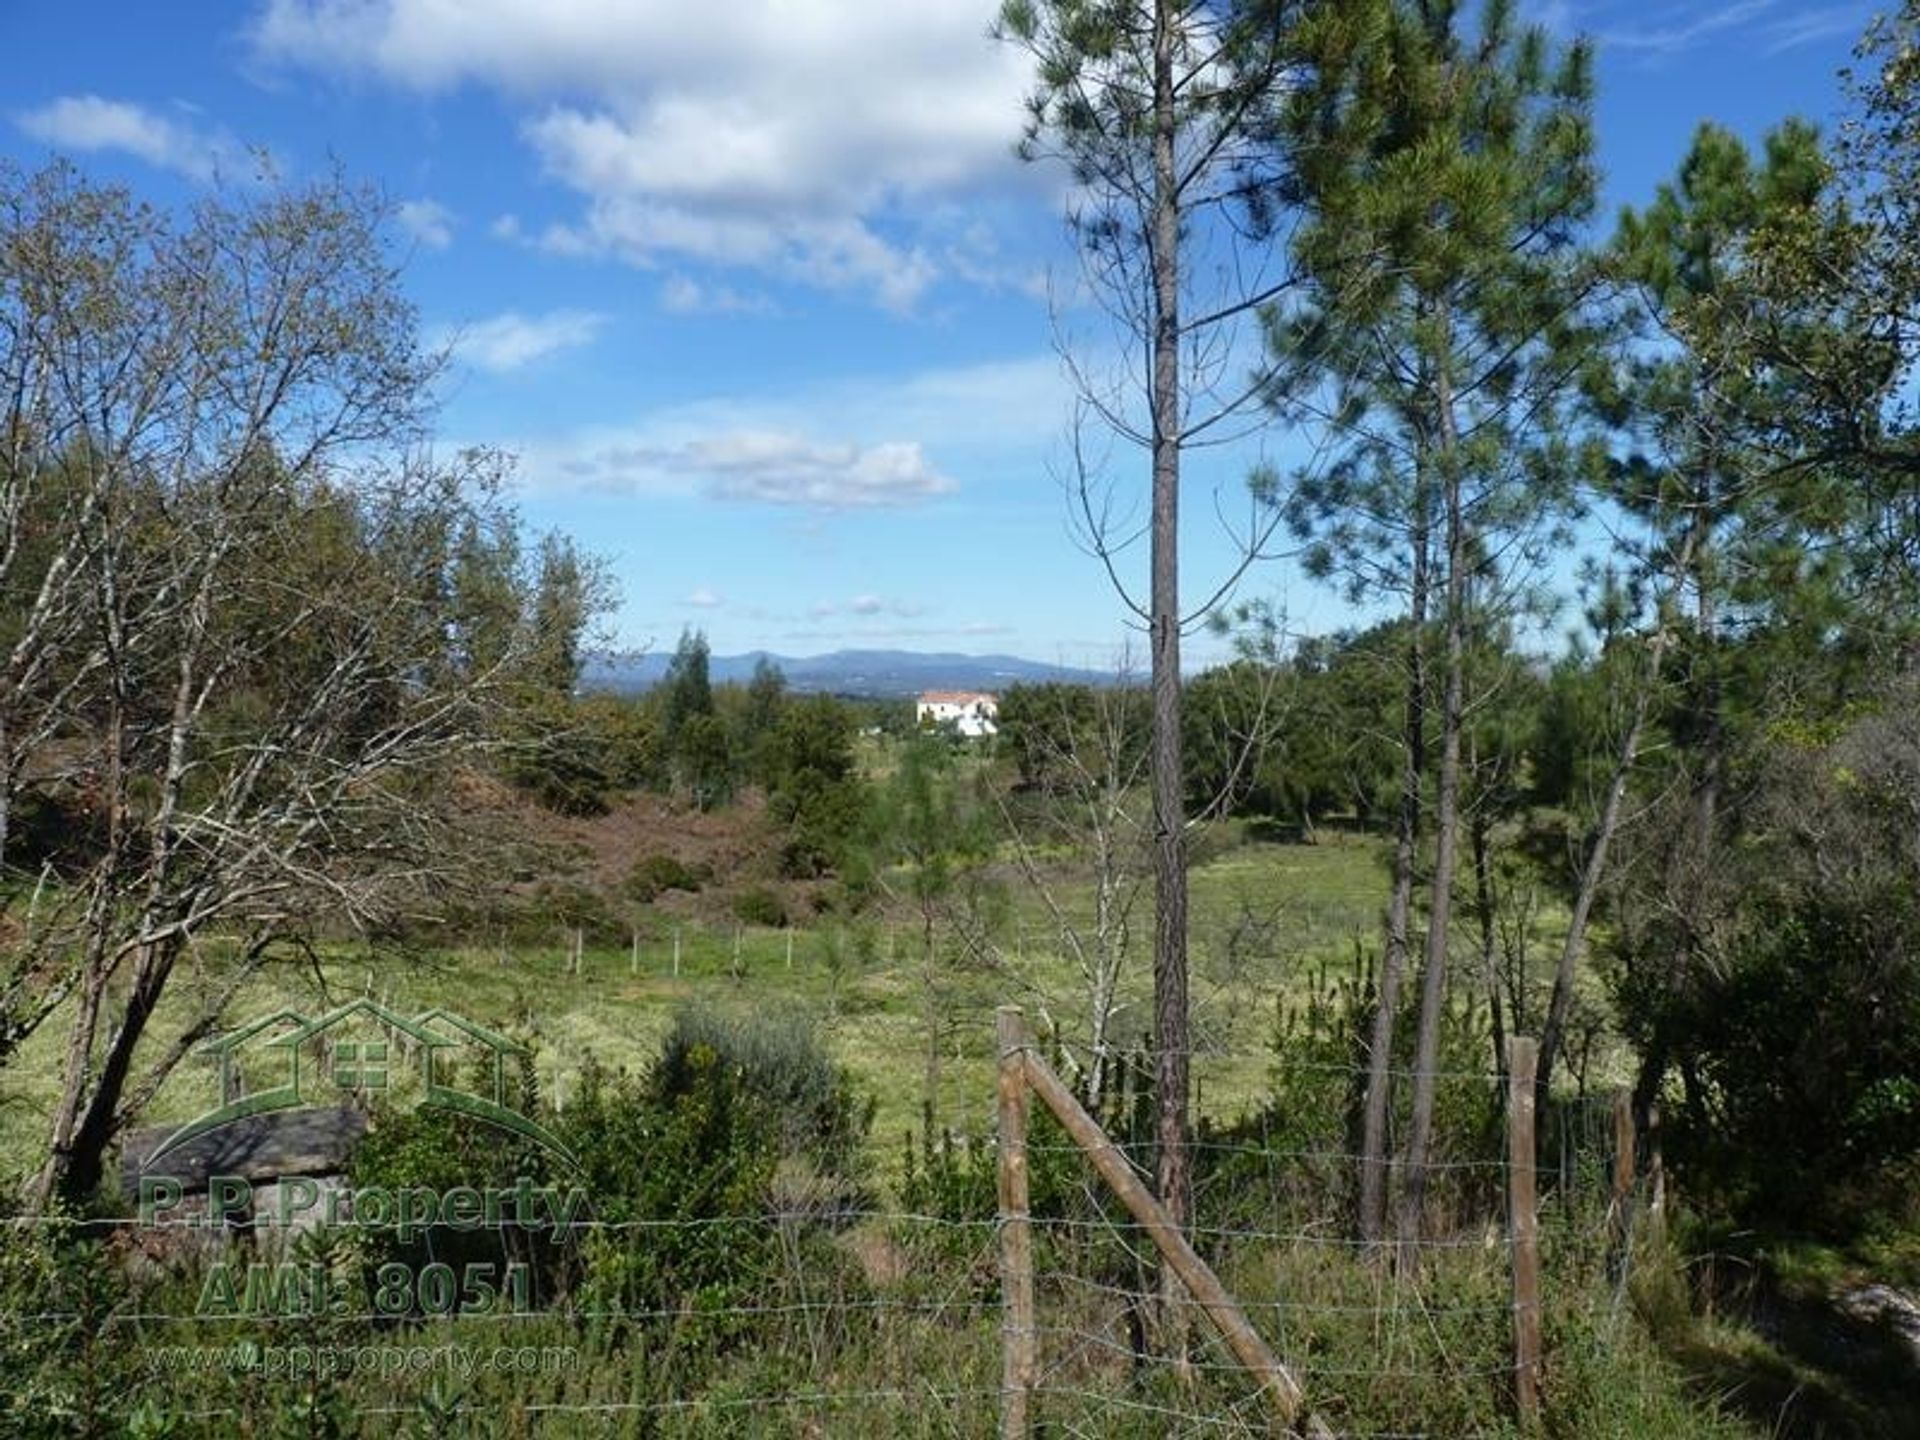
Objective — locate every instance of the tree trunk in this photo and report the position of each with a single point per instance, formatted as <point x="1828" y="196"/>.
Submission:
<point x="1107" y="953"/>
<point x="1595" y="869"/>
<point x="931" y="998"/>
<point x="1393" y="966"/>
<point x="1706" y="797"/>
<point x="7" y="783"/>
<point x="89" y="1113"/>
<point x="1171" y="1038"/>
<point x="95" y="965"/>
<point x="1433" y="988"/>
<point x="1481" y="843"/>
<point x="99" y="1121"/>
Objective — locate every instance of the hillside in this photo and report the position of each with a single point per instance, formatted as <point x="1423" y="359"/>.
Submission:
<point x="879" y="674"/>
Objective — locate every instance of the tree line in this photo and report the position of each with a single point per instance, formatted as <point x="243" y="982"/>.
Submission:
<point x="1372" y="224"/>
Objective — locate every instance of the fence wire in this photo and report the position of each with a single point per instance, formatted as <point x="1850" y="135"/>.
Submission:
<point x="877" y="1318"/>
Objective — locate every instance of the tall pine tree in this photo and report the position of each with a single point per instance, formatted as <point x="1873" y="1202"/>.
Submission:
<point x="1448" y="176"/>
<point x="1156" y="108"/>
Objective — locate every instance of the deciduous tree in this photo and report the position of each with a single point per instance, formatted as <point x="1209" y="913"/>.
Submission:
<point x="243" y="672"/>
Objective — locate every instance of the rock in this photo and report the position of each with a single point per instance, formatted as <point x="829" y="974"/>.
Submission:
<point x="1892" y="1311"/>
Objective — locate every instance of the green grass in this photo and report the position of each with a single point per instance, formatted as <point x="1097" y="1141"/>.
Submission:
<point x="1263" y="915"/>
<point x="1764" y="1332"/>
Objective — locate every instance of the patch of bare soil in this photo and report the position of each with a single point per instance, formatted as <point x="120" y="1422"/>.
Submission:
<point x="732" y="849"/>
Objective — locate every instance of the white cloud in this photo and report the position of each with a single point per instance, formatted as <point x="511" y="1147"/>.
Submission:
<point x="777" y="468"/>
<point x="682" y="296"/>
<point x="512" y="341"/>
<point x="866" y="636"/>
<point x="746" y="466"/>
<point x="1682" y="26"/>
<point x="90" y="122"/>
<point x="428" y="222"/>
<point x="880" y="437"/>
<point x="797" y="137"/>
<point x="867" y="607"/>
<point x="1809" y="27"/>
<point x="705" y="598"/>
<point x="1771" y="24"/>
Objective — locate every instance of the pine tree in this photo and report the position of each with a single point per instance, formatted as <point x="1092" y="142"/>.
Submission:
<point x="1448" y="177"/>
<point x="1745" y="502"/>
<point x="1156" y="107"/>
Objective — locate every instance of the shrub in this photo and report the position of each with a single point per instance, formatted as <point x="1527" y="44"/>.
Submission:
<point x="1809" y="1046"/>
<point x="575" y="755"/>
<point x="795" y="1089"/>
<point x="653" y="875"/>
<point x="440" y="1150"/>
<point x="571" y="905"/>
<point x="47" y="1270"/>
<point x="700" y="1140"/>
<point x="760" y="906"/>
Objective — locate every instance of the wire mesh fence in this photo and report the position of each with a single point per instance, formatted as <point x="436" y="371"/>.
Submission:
<point x="789" y="1307"/>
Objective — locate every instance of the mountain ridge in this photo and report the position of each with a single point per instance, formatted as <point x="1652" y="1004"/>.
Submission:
<point x="877" y="674"/>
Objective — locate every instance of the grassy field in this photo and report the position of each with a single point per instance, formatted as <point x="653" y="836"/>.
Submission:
<point x="1264" y="915"/>
<point x="1267" y="918"/>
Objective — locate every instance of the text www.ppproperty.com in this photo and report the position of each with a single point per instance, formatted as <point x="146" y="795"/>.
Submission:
<point x="300" y="1361"/>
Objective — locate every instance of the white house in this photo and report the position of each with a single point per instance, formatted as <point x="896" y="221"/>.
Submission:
<point x="971" y="712"/>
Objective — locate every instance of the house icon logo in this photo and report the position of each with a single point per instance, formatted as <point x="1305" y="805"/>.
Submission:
<point x="358" y="1053"/>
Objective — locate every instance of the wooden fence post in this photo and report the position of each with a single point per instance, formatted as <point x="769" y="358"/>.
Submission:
<point x="1018" y="1339"/>
<point x="1656" y="1171"/>
<point x="1523" y="1221"/>
<point x="1276" y="1382"/>
<point x="1620" y="1196"/>
<point x="1623" y="1141"/>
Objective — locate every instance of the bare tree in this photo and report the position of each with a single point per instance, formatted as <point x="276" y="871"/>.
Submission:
<point x="253" y="679"/>
<point x="1087" y="756"/>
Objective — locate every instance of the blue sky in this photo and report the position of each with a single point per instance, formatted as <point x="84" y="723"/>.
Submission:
<point x="757" y="292"/>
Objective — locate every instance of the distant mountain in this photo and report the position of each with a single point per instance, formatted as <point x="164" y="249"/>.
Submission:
<point x="876" y="673"/>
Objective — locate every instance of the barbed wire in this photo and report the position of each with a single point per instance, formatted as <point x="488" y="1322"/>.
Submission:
<point x="1358" y="1335"/>
<point x="1284" y="1307"/>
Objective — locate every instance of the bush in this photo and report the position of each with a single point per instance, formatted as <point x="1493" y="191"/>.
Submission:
<point x="653" y="875"/>
<point x="572" y="906"/>
<point x="1809" y="1047"/>
<point x="48" y="1270"/>
<point x="441" y="1150"/>
<point x="760" y="906"/>
<point x="703" y="1139"/>
<point x="575" y="755"/>
<point x="778" y="1066"/>
<point x="1787" y="1008"/>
